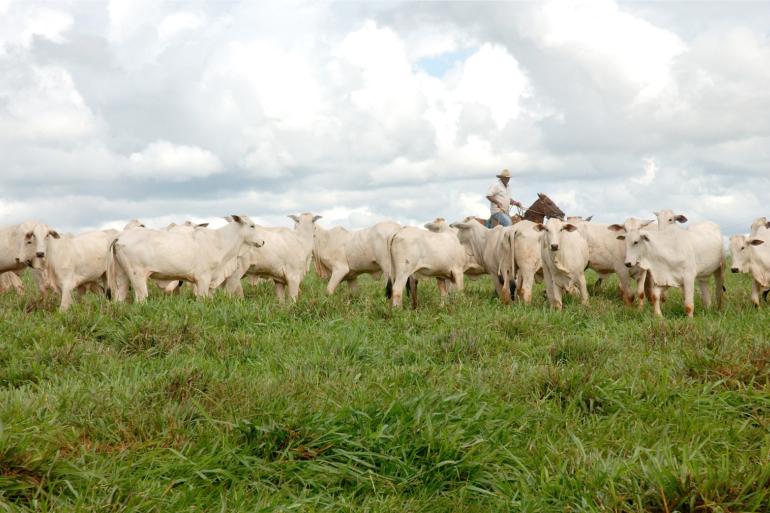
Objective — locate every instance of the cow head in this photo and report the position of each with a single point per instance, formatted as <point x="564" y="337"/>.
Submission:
<point x="34" y="238"/>
<point x="552" y="232"/>
<point x="437" y="225"/>
<point x="739" y="254"/>
<point x="667" y="218"/>
<point x="248" y="230"/>
<point x="759" y="223"/>
<point x="636" y="241"/>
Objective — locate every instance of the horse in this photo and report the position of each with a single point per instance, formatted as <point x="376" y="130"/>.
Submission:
<point x="542" y="207"/>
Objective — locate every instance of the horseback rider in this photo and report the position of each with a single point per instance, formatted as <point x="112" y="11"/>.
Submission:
<point x="500" y="200"/>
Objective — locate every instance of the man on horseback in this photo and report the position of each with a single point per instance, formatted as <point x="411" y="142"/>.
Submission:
<point x="500" y="200"/>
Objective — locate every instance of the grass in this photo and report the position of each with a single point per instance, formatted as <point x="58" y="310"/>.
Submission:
<point x="335" y="404"/>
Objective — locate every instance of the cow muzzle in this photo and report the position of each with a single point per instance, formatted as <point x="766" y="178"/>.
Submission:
<point x="629" y="265"/>
<point x="40" y="254"/>
<point x="734" y="269"/>
<point x="554" y="247"/>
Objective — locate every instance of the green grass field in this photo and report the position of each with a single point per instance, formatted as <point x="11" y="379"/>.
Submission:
<point x="334" y="404"/>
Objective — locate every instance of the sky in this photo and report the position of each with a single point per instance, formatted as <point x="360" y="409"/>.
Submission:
<point x="365" y="111"/>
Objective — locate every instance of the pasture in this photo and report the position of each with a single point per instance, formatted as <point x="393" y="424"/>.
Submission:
<point x="335" y="404"/>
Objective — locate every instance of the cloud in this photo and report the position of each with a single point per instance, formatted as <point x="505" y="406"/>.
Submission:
<point x="165" y="160"/>
<point x="364" y="111"/>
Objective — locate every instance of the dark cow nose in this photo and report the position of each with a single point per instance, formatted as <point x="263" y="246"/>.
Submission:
<point x="734" y="269"/>
<point x="40" y="254"/>
<point x="554" y="247"/>
<point x="18" y="260"/>
<point x="629" y="264"/>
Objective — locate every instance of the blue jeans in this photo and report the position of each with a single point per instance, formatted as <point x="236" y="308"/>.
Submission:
<point x="501" y="218"/>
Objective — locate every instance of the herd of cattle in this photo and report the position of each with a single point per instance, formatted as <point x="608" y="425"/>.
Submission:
<point x="656" y="255"/>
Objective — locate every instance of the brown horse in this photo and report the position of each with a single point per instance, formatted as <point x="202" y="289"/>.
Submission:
<point x="537" y="212"/>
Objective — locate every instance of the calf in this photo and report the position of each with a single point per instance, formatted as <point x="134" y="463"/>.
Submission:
<point x="752" y="255"/>
<point x="564" y="253"/>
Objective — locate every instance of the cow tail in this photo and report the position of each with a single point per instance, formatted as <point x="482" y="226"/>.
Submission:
<point x="112" y="277"/>
<point x="389" y="269"/>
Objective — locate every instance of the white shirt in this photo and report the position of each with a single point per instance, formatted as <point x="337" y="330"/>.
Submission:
<point x="501" y="194"/>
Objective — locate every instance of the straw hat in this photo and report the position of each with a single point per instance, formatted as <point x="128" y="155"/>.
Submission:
<point x="504" y="174"/>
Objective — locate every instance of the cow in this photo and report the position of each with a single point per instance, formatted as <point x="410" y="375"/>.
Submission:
<point x="419" y="254"/>
<point x="75" y="262"/>
<point x="678" y="257"/>
<point x="749" y="255"/>
<point x="172" y="286"/>
<point x="564" y="253"/>
<point x="19" y="245"/>
<point x="523" y="241"/>
<point x="607" y="254"/>
<point x="489" y="249"/>
<point x="473" y="269"/>
<point x="343" y="255"/>
<point x="203" y="257"/>
<point x="283" y="259"/>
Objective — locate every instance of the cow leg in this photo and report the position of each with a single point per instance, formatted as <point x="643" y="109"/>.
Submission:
<point x="583" y="289"/>
<point x="66" y="296"/>
<point x="688" y="291"/>
<point x="233" y="285"/>
<point x="293" y="286"/>
<point x="624" y="280"/>
<point x="139" y="283"/>
<point x="202" y="284"/>
<point x="655" y="300"/>
<point x="557" y="302"/>
<point x="527" y="282"/>
<point x="252" y="281"/>
<point x="644" y="288"/>
<point x="719" y="285"/>
<point x="755" y="288"/>
<point x="338" y="274"/>
<point x="412" y="283"/>
<point x="353" y="285"/>
<point x="458" y="277"/>
<point x="705" y="296"/>
<point x="398" y="288"/>
<point x="280" y="291"/>
<point x="498" y="286"/>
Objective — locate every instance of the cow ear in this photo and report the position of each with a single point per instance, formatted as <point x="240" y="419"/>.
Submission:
<point x="767" y="224"/>
<point x="569" y="227"/>
<point x="294" y="218"/>
<point x="237" y="219"/>
<point x="645" y="237"/>
<point x="756" y="242"/>
<point x="656" y="213"/>
<point x="28" y="235"/>
<point x="539" y="227"/>
<point x="645" y="223"/>
<point x="616" y="228"/>
<point x="202" y="225"/>
<point x="316" y="218"/>
<point x="229" y="219"/>
<point x="621" y="237"/>
<point x="54" y="234"/>
<point x="588" y="219"/>
<point x="680" y="218"/>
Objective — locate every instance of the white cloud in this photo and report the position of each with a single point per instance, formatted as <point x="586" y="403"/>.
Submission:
<point x="165" y="160"/>
<point x="178" y="23"/>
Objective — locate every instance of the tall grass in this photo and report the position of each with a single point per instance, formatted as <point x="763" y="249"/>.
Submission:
<point x="339" y="404"/>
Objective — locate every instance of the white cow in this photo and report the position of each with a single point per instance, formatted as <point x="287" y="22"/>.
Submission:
<point x="202" y="257"/>
<point x="473" y="268"/>
<point x="750" y="255"/>
<point x="489" y="249"/>
<point x="75" y="262"/>
<point x="19" y="246"/>
<point x="564" y="253"/>
<point x="283" y="259"/>
<point x="343" y="255"/>
<point x="526" y="263"/>
<point x="171" y="286"/>
<point x="416" y="253"/>
<point x="677" y="257"/>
